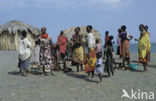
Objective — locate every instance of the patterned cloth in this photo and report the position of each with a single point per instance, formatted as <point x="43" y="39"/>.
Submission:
<point x="124" y="49"/>
<point x="62" y="41"/>
<point x="78" y="55"/>
<point x="100" y="68"/>
<point x="90" y="65"/>
<point x="45" y="53"/>
<point x="144" y="48"/>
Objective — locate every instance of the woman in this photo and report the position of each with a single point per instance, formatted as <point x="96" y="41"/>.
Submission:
<point x="144" y="47"/>
<point x="45" y="51"/>
<point x="62" y="42"/>
<point x="78" y="53"/>
<point x="90" y="64"/>
<point x="124" y="50"/>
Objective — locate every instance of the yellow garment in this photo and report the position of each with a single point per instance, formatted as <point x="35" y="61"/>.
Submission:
<point x="78" y="55"/>
<point x="92" y="58"/>
<point x="144" y="45"/>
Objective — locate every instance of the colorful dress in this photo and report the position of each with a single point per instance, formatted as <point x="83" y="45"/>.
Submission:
<point x="45" y="52"/>
<point x="62" y="41"/>
<point x="100" y="68"/>
<point x="90" y="65"/>
<point x="144" y="48"/>
<point x="78" y="52"/>
<point x="124" y="49"/>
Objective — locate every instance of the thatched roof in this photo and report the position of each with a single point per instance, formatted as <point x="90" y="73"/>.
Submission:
<point x="70" y="32"/>
<point x="14" y="26"/>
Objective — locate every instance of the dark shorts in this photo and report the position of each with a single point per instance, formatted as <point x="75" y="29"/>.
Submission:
<point x="24" y="65"/>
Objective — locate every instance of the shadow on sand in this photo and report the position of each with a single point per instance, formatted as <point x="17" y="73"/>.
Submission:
<point x="16" y="73"/>
<point x="152" y="66"/>
<point x="83" y="77"/>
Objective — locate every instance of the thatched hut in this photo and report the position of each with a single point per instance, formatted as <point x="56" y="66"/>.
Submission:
<point x="10" y="34"/>
<point x="70" y="32"/>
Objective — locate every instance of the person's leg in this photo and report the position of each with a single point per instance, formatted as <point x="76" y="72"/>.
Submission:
<point x="27" y="66"/>
<point x="108" y="68"/>
<point x="145" y="68"/>
<point x="100" y="77"/>
<point x="92" y="74"/>
<point x="104" y="54"/>
<point x="88" y="74"/>
<point x="77" y="68"/>
<point x="81" y="67"/>
<point x="112" y="68"/>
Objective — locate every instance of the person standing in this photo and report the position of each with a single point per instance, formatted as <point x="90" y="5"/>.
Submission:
<point x="144" y="47"/>
<point x="119" y="43"/>
<point x="109" y="57"/>
<point x="78" y="52"/>
<point x="62" y="42"/>
<point x="45" y="51"/>
<point x="99" y="66"/>
<point x="124" y="50"/>
<point x="105" y="45"/>
<point x="91" y="58"/>
<point x="24" y="53"/>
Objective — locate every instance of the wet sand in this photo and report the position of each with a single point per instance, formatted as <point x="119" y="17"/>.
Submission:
<point x="72" y="86"/>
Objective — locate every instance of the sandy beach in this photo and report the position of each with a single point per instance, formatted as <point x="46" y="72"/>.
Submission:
<point x="72" y="86"/>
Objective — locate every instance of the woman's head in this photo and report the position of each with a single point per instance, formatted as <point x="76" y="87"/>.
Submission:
<point x="62" y="32"/>
<point x="141" y="27"/>
<point x="119" y="30"/>
<point x="77" y="30"/>
<point x="43" y="30"/>
<point x="123" y="28"/>
<point x="89" y="28"/>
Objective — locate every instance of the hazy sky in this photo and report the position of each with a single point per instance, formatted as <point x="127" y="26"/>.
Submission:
<point x="104" y="15"/>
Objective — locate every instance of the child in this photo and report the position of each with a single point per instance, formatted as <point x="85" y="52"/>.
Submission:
<point x="98" y="47"/>
<point x="99" y="68"/>
<point x="24" y="53"/>
<point x="109" y="57"/>
<point x="36" y="60"/>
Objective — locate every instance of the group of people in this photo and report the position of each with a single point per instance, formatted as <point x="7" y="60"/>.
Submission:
<point x="84" y="51"/>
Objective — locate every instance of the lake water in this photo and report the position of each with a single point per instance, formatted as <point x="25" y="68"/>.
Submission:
<point x="134" y="47"/>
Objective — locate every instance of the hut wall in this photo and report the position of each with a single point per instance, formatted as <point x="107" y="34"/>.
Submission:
<point x="10" y="41"/>
<point x="2" y="41"/>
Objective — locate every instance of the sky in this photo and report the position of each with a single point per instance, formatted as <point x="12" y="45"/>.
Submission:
<point x="103" y="15"/>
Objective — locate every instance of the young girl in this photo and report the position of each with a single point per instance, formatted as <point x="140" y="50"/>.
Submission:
<point x="99" y="68"/>
<point x="24" y="53"/>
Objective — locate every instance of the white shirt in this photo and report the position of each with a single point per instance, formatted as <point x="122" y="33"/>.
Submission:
<point x="24" y="49"/>
<point x="91" y="40"/>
